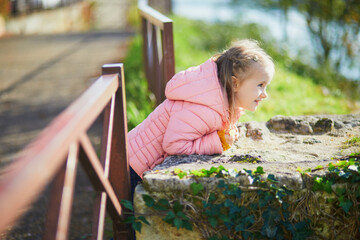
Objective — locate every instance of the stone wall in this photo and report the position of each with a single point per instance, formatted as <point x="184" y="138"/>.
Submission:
<point x="293" y="154"/>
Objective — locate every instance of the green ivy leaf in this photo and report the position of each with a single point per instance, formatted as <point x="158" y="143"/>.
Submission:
<point x="331" y="167"/>
<point x="127" y="204"/>
<point x="177" y="206"/>
<point x="169" y="216"/>
<point x="234" y="210"/>
<point x="271" y="218"/>
<point x="187" y="225"/>
<point x="301" y="230"/>
<point x="197" y="173"/>
<point x="271" y="178"/>
<point x="130" y="219"/>
<point x="320" y="183"/>
<point x="224" y="218"/>
<point x="228" y="203"/>
<point x="214" y="210"/>
<point x="246" y="234"/>
<point x="328" y="187"/>
<point x="182" y="215"/>
<point x="346" y="205"/>
<point x="340" y="191"/>
<point x="212" y="197"/>
<point x="164" y="202"/>
<point x="319" y="167"/>
<point x="213" y="170"/>
<point x="178" y="223"/>
<point x="221" y="184"/>
<point x="250" y="220"/>
<point x="137" y="226"/>
<point x="196" y="188"/>
<point x="259" y="170"/>
<point x="358" y="191"/>
<point x="182" y="174"/>
<point x="221" y="168"/>
<point x="143" y="219"/>
<point x="249" y="172"/>
<point x="240" y="227"/>
<point x="213" y="222"/>
<point x="162" y="205"/>
<point x="149" y="201"/>
<point x="342" y="164"/>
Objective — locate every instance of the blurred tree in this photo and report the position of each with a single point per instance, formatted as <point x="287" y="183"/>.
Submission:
<point x="4" y="7"/>
<point x="334" y="25"/>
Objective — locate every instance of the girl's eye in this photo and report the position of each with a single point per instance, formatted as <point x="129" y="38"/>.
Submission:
<point x="261" y="85"/>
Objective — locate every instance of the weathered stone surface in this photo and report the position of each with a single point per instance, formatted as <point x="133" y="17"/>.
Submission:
<point x="291" y="143"/>
<point x="254" y="132"/>
<point x="323" y="125"/>
<point x="289" y="124"/>
<point x="312" y="124"/>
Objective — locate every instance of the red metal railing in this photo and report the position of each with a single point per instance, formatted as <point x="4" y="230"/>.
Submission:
<point x="56" y="151"/>
<point x="158" y="49"/>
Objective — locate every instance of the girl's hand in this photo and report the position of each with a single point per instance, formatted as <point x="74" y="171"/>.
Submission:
<point x="229" y="139"/>
<point x="231" y="134"/>
<point x="228" y="136"/>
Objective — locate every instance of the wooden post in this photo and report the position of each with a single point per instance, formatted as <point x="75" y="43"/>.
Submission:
<point x="101" y="197"/>
<point x="159" y="69"/>
<point x="168" y="54"/>
<point x="58" y="215"/>
<point x="119" y="166"/>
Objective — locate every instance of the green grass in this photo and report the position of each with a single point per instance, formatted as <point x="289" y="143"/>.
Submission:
<point x="354" y="141"/>
<point x="139" y="101"/>
<point x="292" y="92"/>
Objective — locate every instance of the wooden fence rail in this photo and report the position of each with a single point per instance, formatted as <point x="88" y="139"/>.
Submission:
<point x="54" y="155"/>
<point x="158" y="49"/>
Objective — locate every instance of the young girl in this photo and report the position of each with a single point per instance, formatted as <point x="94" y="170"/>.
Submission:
<point x="202" y="106"/>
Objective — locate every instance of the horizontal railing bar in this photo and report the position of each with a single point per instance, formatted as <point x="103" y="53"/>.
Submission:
<point x="27" y="176"/>
<point x="102" y="183"/>
<point x="152" y="15"/>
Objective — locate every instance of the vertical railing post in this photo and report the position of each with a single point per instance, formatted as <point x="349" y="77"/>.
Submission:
<point x="101" y="197"/>
<point x="159" y="69"/>
<point x="168" y="54"/>
<point x="144" y="25"/>
<point x="59" y="209"/>
<point x="119" y="167"/>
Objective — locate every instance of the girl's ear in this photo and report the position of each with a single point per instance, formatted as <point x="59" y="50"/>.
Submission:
<point x="235" y="83"/>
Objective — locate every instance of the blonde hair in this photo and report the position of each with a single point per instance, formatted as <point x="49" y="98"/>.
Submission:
<point x="236" y="61"/>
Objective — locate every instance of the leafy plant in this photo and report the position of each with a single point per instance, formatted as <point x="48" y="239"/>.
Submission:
<point x="136" y="222"/>
<point x="261" y="209"/>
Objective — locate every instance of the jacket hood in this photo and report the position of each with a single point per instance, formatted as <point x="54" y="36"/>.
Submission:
<point x="199" y="85"/>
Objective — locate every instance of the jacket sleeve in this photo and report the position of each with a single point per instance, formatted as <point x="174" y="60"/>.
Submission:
<point x="193" y="130"/>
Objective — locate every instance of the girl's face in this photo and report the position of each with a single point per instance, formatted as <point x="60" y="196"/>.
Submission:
<point x="249" y="92"/>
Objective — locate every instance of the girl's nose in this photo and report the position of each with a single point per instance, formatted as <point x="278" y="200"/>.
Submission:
<point x="264" y="94"/>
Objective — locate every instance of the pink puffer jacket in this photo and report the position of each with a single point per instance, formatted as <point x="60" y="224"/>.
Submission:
<point x="185" y="123"/>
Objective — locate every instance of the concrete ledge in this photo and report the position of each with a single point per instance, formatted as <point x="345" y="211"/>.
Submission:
<point x="278" y="150"/>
